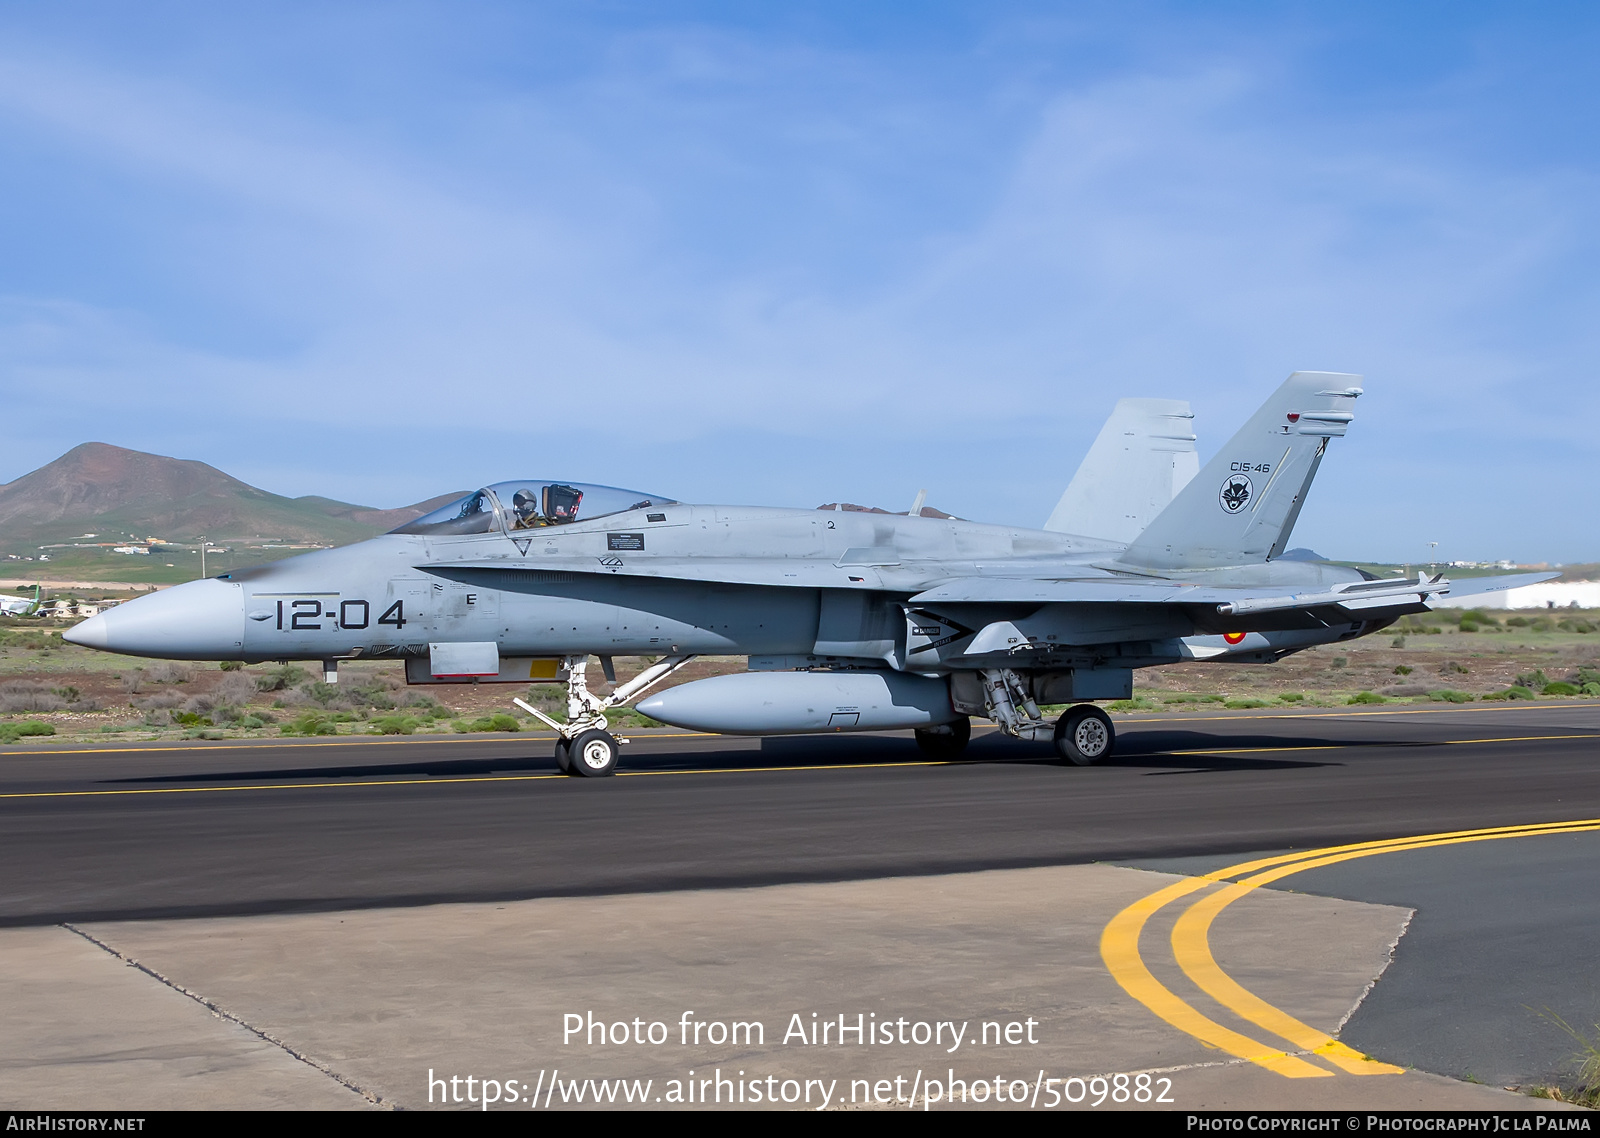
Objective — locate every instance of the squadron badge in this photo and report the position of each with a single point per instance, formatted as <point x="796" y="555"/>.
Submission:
<point x="1236" y="493"/>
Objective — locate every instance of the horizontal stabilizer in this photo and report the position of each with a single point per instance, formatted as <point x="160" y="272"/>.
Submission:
<point x="1472" y="586"/>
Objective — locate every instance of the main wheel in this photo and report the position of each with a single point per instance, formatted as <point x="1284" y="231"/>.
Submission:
<point x="593" y="754"/>
<point x="1084" y="735"/>
<point x="945" y="741"/>
<point x="563" y="755"/>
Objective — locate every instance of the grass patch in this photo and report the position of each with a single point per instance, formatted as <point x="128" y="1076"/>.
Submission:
<point x="1292" y="696"/>
<point x="500" y="721"/>
<point x="11" y="732"/>
<point x="315" y="723"/>
<point x="1245" y="704"/>
<point x="1367" y="697"/>
<point x="1560" y="688"/>
<point x="1450" y="695"/>
<point x="1515" y="691"/>
<point x="394" y="725"/>
<point x="1586" y="1064"/>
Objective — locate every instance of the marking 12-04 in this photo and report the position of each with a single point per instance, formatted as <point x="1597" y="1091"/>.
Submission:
<point x="307" y="615"/>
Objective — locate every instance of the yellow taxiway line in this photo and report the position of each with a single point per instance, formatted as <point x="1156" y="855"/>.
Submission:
<point x="457" y="779"/>
<point x="1191" y="949"/>
<point x="445" y="781"/>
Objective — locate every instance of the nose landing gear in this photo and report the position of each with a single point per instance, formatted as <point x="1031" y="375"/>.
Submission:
<point x="585" y="745"/>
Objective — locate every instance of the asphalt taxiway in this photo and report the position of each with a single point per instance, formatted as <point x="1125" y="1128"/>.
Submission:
<point x="119" y="840"/>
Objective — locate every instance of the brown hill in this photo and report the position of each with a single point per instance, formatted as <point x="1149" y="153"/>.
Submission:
<point x="119" y="493"/>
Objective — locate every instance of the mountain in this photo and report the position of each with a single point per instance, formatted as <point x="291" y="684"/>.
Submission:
<point x="117" y="493"/>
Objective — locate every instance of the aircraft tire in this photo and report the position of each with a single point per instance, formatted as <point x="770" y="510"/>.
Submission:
<point x="946" y="744"/>
<point x="564" y="755"/>
<point x="593" y="754"/>
<point x="1084" y="735"/>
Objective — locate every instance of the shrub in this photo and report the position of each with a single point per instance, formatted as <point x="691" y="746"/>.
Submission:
<point x="231" y="665"/>
<point x="394" y="725"/>
<point x="1450" y="695"/>
<point x="281" y="677"/>
<point x="1559" y="688"/>
<point x="21" y="696"/>
<point x="11" y="732"/>
<point x="1516" y="691"/>
<point x="251" y="722"/>
<point x="500" y="721"/>
<point x="1403" y="669"/>
<point x="1367" y="697"/>
<point x="1533" y="679"/>
<point x="1241" y="704"/>
<point x="1451" y="667"/>
<point x="1518" y="622"/>
<point x="1213" y="699"/>
<point x="1340" y="662"/>
<point x="1469" y="626"/>
<point x="1591" y="689"/>
<point x="1138" y="703"/>
<point x="310" y="723"/>
<point x="168" y="673"/>
<point x="1292" y="696"/>
<point x="1398" y="642"/>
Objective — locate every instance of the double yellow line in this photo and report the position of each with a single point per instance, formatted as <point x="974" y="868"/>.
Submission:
<point x="1191" y="948"/>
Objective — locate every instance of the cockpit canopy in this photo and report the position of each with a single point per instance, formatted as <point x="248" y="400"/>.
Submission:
<point x="529" y="505"/>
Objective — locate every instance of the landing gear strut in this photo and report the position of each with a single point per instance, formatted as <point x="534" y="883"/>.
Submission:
<point x="585" y="746"/>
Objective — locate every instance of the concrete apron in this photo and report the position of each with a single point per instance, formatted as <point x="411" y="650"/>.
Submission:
<point x="354" y="1009"/>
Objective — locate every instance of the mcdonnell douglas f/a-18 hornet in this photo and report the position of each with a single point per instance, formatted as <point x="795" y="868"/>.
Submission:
<point x="852" y="621"/>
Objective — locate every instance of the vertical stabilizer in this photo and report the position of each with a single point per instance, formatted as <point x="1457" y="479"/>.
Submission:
<point x="1140" y="460"/>
<point x="1242" y="506"/>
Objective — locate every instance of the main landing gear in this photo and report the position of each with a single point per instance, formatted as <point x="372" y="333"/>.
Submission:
<point x="1083" y="735"/>
<point x="585" y="745"/>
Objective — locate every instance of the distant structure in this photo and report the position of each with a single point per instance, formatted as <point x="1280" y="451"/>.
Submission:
<point x="1549" y="595"/>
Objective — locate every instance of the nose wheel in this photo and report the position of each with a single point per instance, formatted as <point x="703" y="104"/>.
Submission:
<point x="593" y="754"/>
<point x="584" y="745"/>
<point x="1084" y="735"/>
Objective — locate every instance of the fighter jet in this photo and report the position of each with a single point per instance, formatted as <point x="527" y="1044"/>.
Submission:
<point x="852" y="621"/>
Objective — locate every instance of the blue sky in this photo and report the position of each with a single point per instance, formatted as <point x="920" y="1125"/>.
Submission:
<point x="790" y="254"/>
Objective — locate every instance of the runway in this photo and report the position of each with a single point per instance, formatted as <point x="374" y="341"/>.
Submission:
<point x="254" y="841"/>
<point x="123" y="832"/>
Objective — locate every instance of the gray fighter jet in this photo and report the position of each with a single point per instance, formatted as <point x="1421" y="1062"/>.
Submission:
<point x="852" y="621"/>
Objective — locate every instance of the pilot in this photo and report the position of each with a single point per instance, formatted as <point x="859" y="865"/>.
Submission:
<point x="525" y="510"/>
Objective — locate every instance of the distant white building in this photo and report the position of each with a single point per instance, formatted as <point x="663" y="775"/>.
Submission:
<point x="1549" y="595"/>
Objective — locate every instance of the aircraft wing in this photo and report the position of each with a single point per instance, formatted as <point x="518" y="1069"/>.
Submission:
<point x="1228" y="600"/>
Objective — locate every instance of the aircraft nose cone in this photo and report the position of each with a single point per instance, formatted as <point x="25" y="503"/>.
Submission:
<point x="90" y="633"/>
<point x="200" y="620"/>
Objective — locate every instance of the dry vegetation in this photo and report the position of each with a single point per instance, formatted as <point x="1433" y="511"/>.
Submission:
<point x="48" y="687"/>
